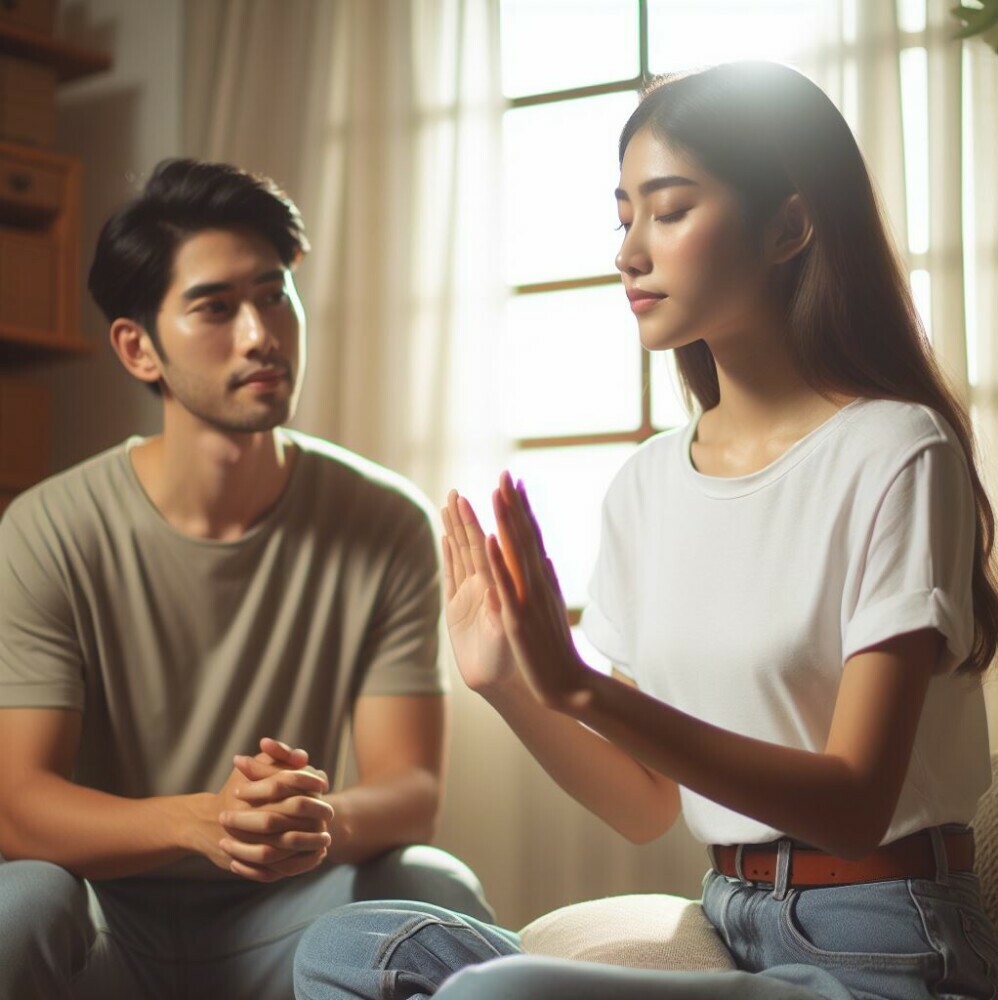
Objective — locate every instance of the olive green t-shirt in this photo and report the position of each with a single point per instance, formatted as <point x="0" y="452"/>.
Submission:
<point x="182" y="651"/>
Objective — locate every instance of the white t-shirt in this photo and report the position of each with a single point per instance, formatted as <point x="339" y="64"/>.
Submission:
<point x="738" y="600"/>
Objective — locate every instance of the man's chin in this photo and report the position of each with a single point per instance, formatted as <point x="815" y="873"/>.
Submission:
<point x="250" y="423"/>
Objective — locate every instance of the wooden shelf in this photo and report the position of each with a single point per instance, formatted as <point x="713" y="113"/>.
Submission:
<point x="19" y="342"/>
<point x="69" y="61"/>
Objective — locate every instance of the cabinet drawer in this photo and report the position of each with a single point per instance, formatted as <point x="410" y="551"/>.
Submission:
<point x="27" y="279"/>
<point x="25" y="433"/>
<point x="29" y="189"/>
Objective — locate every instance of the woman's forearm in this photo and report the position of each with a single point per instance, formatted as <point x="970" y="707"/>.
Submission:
<point x="637" y="802"/>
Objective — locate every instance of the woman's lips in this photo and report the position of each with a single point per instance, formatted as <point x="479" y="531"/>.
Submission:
<point x="644" y="303"/>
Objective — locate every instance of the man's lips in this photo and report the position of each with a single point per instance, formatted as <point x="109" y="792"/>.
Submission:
<point x="263" y="377"/>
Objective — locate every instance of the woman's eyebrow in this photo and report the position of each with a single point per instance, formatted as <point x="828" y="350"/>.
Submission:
<point x="655" y="184"/>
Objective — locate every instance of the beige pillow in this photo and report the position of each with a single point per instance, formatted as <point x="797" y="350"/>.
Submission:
<point x="641" y="932"/>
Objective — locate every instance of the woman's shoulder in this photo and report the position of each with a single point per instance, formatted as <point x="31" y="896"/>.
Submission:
<point x="895" y="430"/>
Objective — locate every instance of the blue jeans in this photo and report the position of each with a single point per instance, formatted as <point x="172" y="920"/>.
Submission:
<point x="904" y="940"/>
<point x="62" y="938"/>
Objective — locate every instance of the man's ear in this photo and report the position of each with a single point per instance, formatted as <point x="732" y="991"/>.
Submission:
<point x="789" y="231"/>
<point x="135" y="350"/>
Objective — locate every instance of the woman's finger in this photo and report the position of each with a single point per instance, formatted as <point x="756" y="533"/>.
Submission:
<point x="450" y="584"/>
<point x="460" y="534"/>
<point x="510" y="546"/>
<point x="504" y="586"/>
<point x="475" y="536"/>
<point x="456" y="563"/>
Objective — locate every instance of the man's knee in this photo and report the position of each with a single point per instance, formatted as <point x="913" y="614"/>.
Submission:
<point x="46" y="930"/>
<point x="427" y="874"/>
<point x="39" y="894"/>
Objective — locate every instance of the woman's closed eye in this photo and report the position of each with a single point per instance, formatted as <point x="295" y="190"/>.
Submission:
<point x="672" y="216"/>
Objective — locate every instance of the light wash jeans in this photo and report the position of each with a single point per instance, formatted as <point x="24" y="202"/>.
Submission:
<point x="62" y="938"/>
<point x="903" y="940"/>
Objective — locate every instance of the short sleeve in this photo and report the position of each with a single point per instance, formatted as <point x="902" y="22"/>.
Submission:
<point x="915" y="569"/>
<point x="40" y="659"/>
<point x="606" y="618"/>
<point x="402" y="646"/>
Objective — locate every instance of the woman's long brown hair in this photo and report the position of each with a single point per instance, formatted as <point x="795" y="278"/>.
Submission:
<point x="768" y="131"/>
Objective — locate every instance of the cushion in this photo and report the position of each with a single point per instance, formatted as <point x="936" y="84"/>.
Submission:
<point x="641" y="932"/>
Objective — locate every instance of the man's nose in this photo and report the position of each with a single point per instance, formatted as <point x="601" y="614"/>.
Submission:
<point x="253" y="332"/>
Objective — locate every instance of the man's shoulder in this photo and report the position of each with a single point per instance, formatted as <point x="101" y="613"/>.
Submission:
<point x="336" y="474"/>
<point x="73" y="495"/>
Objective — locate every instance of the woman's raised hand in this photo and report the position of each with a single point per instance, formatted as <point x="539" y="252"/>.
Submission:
<point x="532" y="609"/>
<point x="481" y="649"/>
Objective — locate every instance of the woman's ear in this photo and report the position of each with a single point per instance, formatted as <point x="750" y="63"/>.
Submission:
<point x="135" y="350"/>
<point x="789" y="231"/>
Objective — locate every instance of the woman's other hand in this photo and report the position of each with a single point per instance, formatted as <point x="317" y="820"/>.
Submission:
<point x="482" y="651"/>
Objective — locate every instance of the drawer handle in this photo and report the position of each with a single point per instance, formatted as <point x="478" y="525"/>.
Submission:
<point x="20" y="182"/>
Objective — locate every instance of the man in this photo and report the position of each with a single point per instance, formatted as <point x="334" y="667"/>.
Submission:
<point x="174" y="609"/>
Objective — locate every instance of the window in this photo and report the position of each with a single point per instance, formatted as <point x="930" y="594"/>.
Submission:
<point x="582" y="393"/>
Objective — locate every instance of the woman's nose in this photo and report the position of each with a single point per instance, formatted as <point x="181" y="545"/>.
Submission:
<point x="632" y="258"/>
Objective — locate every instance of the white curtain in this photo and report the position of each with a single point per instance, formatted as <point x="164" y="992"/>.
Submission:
<point x="382" y="119"/>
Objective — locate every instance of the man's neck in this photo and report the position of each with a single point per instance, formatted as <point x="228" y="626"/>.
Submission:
<point x="213" y="484"/>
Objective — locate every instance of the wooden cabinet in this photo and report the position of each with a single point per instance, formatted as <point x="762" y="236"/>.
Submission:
<point x="40" y="221"/>
<point x="39" y="250"/>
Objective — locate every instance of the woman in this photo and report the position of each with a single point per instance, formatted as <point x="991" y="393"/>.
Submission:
<point x="794" y="590"/>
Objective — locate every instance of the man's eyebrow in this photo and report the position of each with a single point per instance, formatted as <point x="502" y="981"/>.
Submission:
<point x="214" y="287"/>
<point x="656" y="184"/>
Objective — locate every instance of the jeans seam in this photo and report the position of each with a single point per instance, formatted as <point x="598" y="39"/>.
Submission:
<point x="392" y="944"/>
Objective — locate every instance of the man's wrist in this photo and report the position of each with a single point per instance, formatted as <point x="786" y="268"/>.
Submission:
<point x="196" y="828"/>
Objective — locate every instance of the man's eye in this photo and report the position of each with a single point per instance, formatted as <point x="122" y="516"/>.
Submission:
<point x="276" y="298"/>
<point x="212" y="307"/>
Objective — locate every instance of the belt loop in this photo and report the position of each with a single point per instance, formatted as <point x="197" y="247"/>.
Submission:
<point x="938" y="842"/>
<point x="739" y="871"/>
<point x="782" y="881"/>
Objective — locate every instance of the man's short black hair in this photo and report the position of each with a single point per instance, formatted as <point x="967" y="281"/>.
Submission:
<point x="133" y="261"/>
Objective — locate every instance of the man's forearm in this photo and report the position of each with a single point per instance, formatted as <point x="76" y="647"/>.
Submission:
<point x="379" y="814"/>
<point x="97" y="835"/>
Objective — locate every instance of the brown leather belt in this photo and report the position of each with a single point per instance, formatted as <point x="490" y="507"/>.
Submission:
<point x="909" y="857"/>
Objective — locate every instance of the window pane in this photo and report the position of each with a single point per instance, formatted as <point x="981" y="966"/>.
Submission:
<point x="566" y="488"/>
<point x="552" y="45"/>
<point x="561" y="172"/>
<point x="915" y="126"/>
<point x="911" y="15"/>
<point x="711" y="31"/>
<point x="667" y="408"/>
<point x="575" y="363"/>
